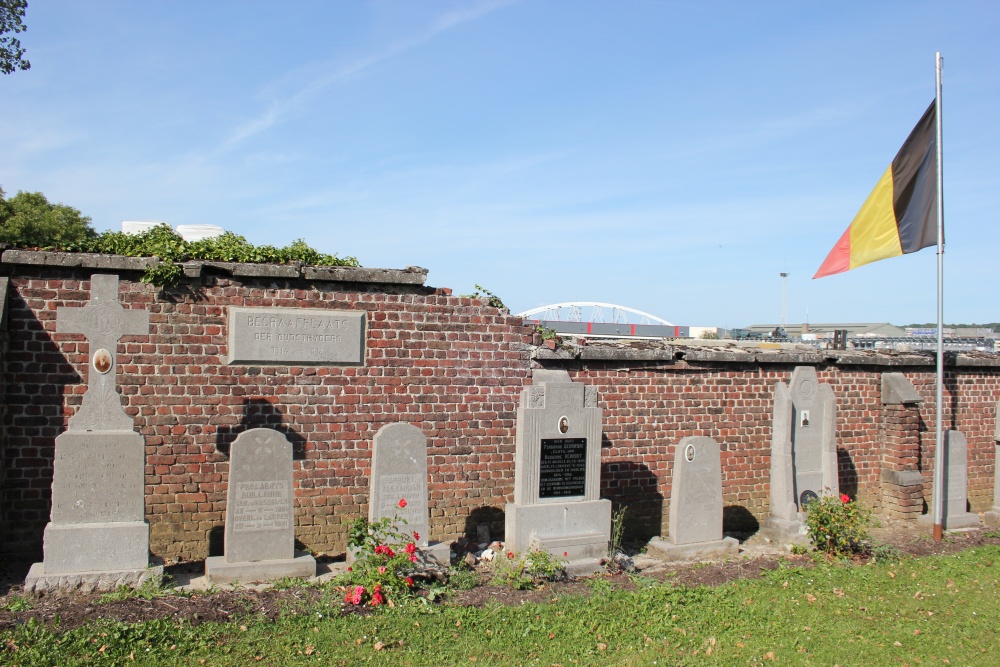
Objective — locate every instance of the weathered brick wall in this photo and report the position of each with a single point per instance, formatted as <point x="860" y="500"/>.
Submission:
<point x="453" y="366"/>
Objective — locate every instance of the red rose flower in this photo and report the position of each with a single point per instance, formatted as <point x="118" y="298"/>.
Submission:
<point x="844" y="498"/>
<point x="411" y="548"/>
<point x="402" y="502"/>
<point x="413" y="558"/>
<point x="416" y="535"/>
<point x="409" y="582"/>
<point x="565" y="554"/>
<point x="510" y="555"/>
<point x="377" y="599"/>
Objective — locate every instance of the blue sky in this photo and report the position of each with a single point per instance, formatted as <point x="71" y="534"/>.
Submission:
<point x="669" y="156"/>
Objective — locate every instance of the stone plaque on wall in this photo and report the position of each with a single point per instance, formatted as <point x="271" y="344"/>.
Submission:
<point x="308" y="336"/>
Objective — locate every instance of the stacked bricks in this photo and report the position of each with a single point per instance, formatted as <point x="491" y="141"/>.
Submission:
<point x="901" y="454"/>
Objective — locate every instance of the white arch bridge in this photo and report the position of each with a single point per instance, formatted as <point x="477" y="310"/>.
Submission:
<point x="605" y="320"/>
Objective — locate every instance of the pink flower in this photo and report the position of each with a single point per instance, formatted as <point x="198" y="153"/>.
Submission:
<point x="381" y="569"/>
<point x="359" y="592"/>
<point x="402" y="503"/>
<point x="413" y="558"/>
<point x="416" y="535"/>
<point x="844" y="498"/>
<point x="377" y="589"/>
<point x="410" y="548"/>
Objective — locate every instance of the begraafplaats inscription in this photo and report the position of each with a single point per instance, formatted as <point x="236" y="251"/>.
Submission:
<point x="296" y="336"/>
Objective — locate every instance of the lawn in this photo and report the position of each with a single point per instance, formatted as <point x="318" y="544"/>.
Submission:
<point x="934" y="610"/>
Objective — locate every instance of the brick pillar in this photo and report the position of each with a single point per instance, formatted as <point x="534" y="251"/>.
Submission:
<point x="902" y="482"/>
<point x="993" y="515"/>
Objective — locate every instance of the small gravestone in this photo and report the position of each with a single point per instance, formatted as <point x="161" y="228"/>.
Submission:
<point x="557" y="470"/>
<point x="993" y="516"/>
<point x="98" y="538"/>
<point x="260" y="524"/>
<point x="956" y="514"/>
<point x="695" y="504"/>
<point x="399" y="473"/>
<point x="803" y="453"/>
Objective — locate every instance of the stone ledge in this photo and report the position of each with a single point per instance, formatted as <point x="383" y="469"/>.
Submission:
<point x="677" y="352"/>
<point x="903" y="477"/>
<point x="411" y="275"/>
<point x="82" y="260"/>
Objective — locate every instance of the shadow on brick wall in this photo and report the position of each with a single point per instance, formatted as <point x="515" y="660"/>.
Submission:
<point x="847" y="473"/>
<point x="36" y="374"/>
<point x="260" y="413"/>
<point x="634" y="486"/>
<point x="491" y="517"/>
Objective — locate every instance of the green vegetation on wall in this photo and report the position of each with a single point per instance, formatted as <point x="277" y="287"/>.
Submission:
<point x="28" y="220"/>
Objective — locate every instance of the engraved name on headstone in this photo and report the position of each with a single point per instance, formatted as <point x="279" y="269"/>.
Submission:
<point x="399" y="472"/>
<point x="259" y="521"/>
<point x="296" y="336"/>
<point x="557" y="473"/>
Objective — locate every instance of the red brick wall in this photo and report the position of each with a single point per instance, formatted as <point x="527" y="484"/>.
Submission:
<point x="453" y="366"/>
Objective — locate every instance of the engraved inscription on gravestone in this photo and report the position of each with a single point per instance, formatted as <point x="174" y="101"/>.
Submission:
<point x="562" y="467"/>
<point x="296" y="336"/>
<point x="261" y="506"/>
<point x="393" y="488"/>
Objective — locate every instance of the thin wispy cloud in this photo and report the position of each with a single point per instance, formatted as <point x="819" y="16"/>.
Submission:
<point x="281" y="109"/>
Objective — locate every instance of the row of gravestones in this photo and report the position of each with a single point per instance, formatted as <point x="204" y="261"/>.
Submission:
<point x="98" y="536"/>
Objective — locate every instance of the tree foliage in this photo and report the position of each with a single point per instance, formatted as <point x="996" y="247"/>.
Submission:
<point x="29" y="220"/>
<point x="11" y="23"/>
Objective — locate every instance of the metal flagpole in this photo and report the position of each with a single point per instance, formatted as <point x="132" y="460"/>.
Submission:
<point x="939" y="446"/>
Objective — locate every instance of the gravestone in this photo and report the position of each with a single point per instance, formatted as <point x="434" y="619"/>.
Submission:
<point x="993" y="515"/>
<point x="260" y="524"/>
<point x="695" y="504"/>
<point x="803" y="453"/>
<point x="557" y="470"/>
<point x="98" y="538"/>
<point x="399" y="472"/>
<point x="956" y="467"/>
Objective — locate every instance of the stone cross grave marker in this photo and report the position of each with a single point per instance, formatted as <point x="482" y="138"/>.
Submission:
<point x="557" y="473"/>
<point x="98" y="537"/>
<point x="695" y="504"/>
<point x="103" y="321"/>
<point x="803" y="452"/>
<point x="260" y="523"/>
<point x="399" y="472"/>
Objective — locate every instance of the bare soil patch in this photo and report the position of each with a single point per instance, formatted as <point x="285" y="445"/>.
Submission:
<point x="67" y="611"/>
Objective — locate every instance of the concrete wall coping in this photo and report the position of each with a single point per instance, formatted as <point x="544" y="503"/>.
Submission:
<point x="678" y="352"/>
<point x="411" y="275"/>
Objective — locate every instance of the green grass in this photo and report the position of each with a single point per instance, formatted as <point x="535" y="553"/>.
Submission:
<point x="914" y="611"/>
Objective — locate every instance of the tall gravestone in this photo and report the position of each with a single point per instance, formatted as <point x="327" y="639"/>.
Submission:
<point x="399" y="472"/>
<point x="98" y="537"/>
<point x="993" y="515"/>
<point x="803" y="453"/>
<point x="260" y="522"/>
<point x="557" y="469"/>
<point x="695" y="504"/>
<point x="956" y="471"/>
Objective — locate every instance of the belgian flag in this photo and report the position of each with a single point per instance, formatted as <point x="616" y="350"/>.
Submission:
<point x="900" y="215"/>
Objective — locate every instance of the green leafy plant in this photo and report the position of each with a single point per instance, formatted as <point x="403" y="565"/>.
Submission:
<point x="153" y="587"/>
<point x="529" y="569"/>
<point x="617" y="531"/>
<point x="482" y="292"/>
<point x="838" y="525"/>
<point x="546" y="333"/>
<point x="383" y="570"/>
<point x="16" y="603"/>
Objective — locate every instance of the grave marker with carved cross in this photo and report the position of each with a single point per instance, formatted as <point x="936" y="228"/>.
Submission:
<point x="103" y="321"/>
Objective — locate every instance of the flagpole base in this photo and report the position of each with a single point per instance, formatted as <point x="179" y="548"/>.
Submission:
<point x="938" y="532"/>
